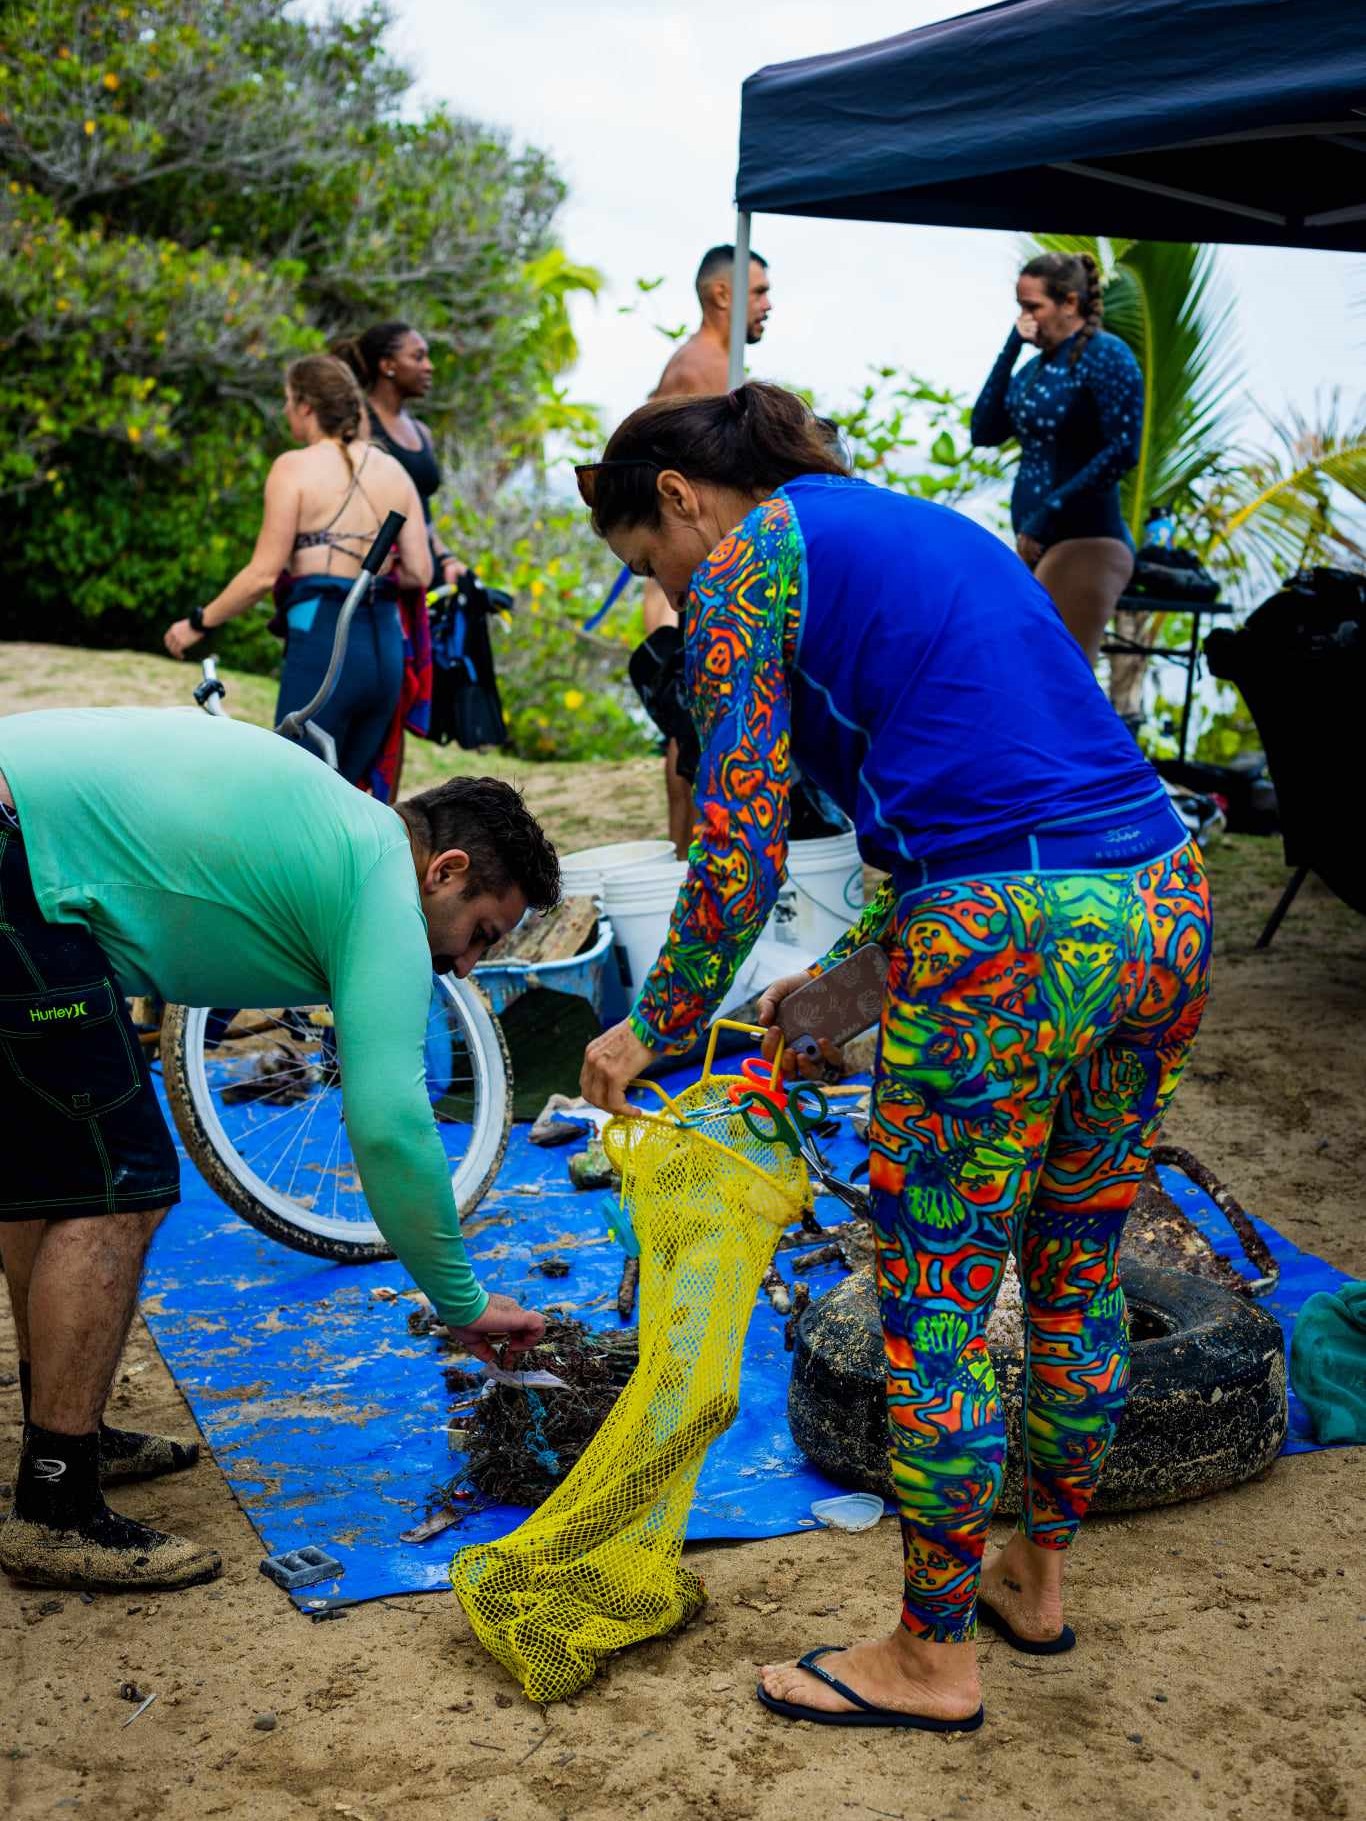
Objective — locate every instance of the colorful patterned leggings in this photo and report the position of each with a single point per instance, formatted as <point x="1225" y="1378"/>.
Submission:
<point x="1033" y="1032"/>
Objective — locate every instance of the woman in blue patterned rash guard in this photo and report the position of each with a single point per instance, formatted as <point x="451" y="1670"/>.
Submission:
<point x="1046" y="923"/>
<point x="1077" y="411"/>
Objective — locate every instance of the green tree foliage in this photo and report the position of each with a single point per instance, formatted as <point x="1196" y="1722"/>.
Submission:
<point x="195" y="191"/>
<point x="911" y="436"/>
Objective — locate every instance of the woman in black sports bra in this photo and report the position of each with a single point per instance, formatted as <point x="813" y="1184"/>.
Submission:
<point x="324" y="503"/>
<point x="393" y="365"/>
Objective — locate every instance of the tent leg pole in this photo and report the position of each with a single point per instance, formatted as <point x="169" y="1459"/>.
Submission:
<point x="739" y="301"/>
<point x="1273" y="922"/>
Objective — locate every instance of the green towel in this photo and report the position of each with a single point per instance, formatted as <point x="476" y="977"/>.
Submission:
<point x="1328" y="1363"/>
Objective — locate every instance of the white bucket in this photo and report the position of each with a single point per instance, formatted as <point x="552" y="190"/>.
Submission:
<point x="822" y="896"/>
<point x="582" y="874"/>
<point x="639" y="902"/>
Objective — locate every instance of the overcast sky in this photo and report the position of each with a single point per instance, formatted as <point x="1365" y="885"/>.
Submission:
<point x="639" y="102"/>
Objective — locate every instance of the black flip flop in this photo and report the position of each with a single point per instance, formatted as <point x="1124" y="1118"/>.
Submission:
<point x="1032" y="1647"/>
<point x="868" y="1714"/>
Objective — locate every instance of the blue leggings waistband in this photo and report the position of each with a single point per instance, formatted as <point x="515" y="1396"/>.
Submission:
<point x="1130" y="839"/>
<point x="311" y="595"/>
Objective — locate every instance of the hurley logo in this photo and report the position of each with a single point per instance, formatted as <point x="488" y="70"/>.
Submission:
<point x="38" y="1014"/>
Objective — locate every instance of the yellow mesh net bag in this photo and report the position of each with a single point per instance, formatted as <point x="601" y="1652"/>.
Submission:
<point x="598" y="1566"/>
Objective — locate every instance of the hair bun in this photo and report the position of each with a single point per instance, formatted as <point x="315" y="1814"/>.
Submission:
<point x="737" y="401"/>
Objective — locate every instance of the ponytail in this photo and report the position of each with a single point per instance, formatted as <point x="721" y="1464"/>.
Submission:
<point x="365" y="353"/>
<point x="1064" y="273"/>
<point x="329" y="386"/>
<point x="753" y="439"/>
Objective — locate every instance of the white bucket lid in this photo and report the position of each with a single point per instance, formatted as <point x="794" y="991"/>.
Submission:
<point x="828" y="849"/>
<point x="645" y="885"/>
<point x="600" y="861"/>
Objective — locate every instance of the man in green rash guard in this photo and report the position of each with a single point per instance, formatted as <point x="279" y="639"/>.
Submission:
<point x="192" y="856"/>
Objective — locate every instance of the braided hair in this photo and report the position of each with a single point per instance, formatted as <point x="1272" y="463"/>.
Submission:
<point x="1062" y="273"/>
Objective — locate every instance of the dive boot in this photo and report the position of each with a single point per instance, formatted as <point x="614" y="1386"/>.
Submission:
<point x="106" y="1551"/>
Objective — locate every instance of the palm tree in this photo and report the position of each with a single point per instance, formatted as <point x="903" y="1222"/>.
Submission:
<point x="1246" y="513"/>
<point x="1276" y="510"/>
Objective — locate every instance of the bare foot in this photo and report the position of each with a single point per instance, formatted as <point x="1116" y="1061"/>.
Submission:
<point x="899" y="1672"/>
<point x="1023" y="1583"/>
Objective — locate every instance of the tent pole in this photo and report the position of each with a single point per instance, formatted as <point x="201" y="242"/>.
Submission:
<point x="739" y="300"/>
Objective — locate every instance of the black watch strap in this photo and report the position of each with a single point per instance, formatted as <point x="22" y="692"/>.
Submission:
<point x="196" y="618"/>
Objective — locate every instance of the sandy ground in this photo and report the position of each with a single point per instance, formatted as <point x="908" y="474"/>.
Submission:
<point x="1222" y="1665"/>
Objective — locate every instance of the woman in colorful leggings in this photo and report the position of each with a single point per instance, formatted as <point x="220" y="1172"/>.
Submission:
<point x="1048" y="928"/>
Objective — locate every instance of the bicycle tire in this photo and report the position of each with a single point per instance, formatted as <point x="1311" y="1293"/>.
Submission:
<point x="214" y="1155"/>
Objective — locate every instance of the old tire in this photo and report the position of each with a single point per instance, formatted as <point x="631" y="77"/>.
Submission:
<point x="1207" y="1395"/>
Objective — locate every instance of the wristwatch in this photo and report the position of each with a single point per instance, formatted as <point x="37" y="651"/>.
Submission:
<point x="196" y="619"/>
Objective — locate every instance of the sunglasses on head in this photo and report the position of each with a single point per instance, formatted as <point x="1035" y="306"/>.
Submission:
<point x="587" y="474"/>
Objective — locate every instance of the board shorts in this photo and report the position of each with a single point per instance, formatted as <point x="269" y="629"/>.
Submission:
<point x="81" y="1129"/>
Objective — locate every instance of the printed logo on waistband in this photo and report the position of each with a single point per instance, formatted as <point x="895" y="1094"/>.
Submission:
<point x="1121" y="837"/>
<point x="38" y="1014"/>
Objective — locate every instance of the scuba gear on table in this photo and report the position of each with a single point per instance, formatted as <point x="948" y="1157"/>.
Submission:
<point x="1167" y="573"/>
<point x="466" y="706"/>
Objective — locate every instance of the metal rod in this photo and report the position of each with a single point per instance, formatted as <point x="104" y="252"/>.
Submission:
<point x="1191" y="663"/>
<point x="1175" y="195"/>
<point x="739" y="300"/>
<point x="1333" y="218"/>
<point x="1277" y="917"/>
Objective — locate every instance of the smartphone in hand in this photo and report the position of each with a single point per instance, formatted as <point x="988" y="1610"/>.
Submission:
<point x="839" y="1004"/>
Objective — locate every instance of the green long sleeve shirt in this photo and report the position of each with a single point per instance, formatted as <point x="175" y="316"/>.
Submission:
<point x="217" y="864"/>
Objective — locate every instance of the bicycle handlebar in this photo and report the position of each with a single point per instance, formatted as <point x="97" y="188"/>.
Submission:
<point x="384" y="543"/>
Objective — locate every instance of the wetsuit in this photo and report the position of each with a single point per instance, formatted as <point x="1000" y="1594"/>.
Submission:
<point x="1047" y="925"/>
<point x="1078" y="425"/>
<point x="216" y="864"/>
<point x="361" y="707"/>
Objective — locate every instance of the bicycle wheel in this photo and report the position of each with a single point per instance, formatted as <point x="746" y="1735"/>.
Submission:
<point x="256" y="1098"/>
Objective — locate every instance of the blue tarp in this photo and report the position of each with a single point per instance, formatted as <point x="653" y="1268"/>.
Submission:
<point x="1208" y="120"/>
<point x="329" y="1418"/>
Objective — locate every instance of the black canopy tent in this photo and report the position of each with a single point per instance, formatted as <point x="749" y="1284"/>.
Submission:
<point x="1209" y="120"/>
<point x="1203" y="120"/>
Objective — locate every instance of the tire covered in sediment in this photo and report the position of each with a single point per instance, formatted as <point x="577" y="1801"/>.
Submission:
<point x="1207" y="1392"/>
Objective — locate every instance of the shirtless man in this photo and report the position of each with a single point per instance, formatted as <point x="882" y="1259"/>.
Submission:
<point x="702" y="366"/>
